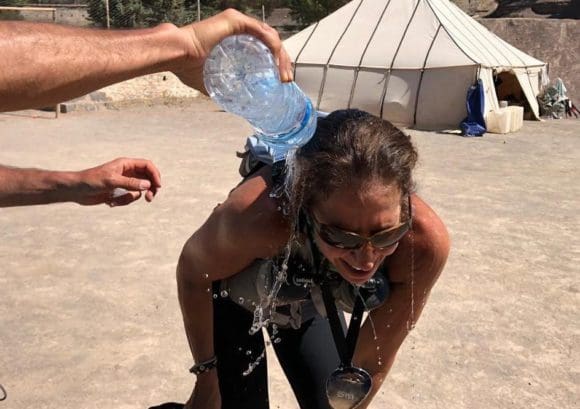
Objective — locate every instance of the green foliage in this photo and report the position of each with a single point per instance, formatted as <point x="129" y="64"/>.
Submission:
<point x="147" y="13"/>
<point x="141" y="13"/>
<point x="253" y="7"/>
<point x="164" y="11"/>
<point x="310" y="11"/>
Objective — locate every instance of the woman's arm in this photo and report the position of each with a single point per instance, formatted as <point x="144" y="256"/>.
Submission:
<point x="43" y="64"/>
<point x="426" y="249"/>
<point x="247" y="226"/>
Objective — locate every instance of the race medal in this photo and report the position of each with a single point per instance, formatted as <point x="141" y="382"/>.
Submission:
<point x="347" y="387"/>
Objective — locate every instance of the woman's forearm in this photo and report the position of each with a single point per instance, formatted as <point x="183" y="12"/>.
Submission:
<point x="380" y="340"/>
<point x="195" y="299"/>
<point x="49" y="63"/>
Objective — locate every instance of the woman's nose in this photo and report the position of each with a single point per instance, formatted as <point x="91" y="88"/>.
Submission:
<point x="365" y="256"/>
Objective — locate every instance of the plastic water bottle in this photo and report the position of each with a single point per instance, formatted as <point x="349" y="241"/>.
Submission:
<point x="241" y="76"/>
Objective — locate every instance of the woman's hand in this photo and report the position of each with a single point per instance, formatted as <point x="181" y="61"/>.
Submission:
<point x="201" y="37"/>
<point x="206" y="394"/>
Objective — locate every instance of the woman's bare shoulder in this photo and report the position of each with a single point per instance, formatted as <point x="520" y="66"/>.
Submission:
<point x="250" y="212"/>
<point x="247" y="226"/>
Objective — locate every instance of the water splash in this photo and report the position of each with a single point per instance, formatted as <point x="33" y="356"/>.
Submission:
<point x="370" y="318"/>
<point x="254" y="365"/>
<point x="411" y="320"/>
<point x="267" y="304"/>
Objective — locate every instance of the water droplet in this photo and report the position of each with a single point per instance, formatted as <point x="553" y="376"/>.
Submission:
<point x="380" y="363"/>
<point x="206" y="275"/>
<point x="208" y="290"/>
<point x="254" y="364"/>
<point x="215" y="296"/>
<point x="277" y="340"/>
<point x="224" y="293"/>
<point x="248" y="352"/>
<point x="241" y="300"/>
<point x="378" y="348"/>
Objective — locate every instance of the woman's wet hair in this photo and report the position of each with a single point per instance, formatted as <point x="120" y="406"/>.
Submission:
<point x="350" y="148"/>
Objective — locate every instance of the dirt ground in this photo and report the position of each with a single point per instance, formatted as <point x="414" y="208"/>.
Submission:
<point x="88" y="308"/>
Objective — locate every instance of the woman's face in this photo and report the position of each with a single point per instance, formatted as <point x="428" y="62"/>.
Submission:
<point x="364" y="210"/>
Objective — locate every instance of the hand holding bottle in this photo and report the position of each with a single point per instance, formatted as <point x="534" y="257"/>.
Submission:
<point x="205" y="35"/>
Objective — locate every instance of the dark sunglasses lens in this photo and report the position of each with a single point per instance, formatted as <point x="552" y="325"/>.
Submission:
<point x="339" y="238"/>
<point x="389" y="238"/>
<point x="347" y="387"/>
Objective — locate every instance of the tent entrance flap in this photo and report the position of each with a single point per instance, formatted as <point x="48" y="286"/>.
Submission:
<point x="508" y="88"/>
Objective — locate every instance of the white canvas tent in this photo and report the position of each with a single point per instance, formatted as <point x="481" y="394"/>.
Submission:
<point x="410" y="61"/>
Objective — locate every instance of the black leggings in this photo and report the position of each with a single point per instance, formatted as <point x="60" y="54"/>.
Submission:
<point x="307" y="356"/>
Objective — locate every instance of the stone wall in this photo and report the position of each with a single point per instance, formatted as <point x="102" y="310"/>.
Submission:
<point x="75" y="15"/>
<point x="553" y="41"/>
<point x="161" y="88"/>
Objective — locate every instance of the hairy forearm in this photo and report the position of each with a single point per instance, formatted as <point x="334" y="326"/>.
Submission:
<point x="48" y="63"/>
<point x="19" y="187"/>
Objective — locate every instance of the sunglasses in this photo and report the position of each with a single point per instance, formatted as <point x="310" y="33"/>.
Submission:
<point x="343" y="239"/>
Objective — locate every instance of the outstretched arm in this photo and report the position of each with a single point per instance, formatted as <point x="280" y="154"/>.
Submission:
<point x="21" y="187"/>
<point x="48" y="63"/>
<point x="413" y="269"/>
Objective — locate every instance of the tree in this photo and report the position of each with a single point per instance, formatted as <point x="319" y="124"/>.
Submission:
<point x="207" y="7"/>
<point x="309" y="11"/>
<point x="168" y="11"/>
<point x="141" y="13"/>
<point x="147" y="13"/>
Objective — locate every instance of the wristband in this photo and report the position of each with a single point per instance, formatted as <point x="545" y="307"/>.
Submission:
<point x="205" y="366"/>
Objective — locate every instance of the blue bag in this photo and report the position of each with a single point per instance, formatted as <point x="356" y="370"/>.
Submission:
<point x="474" y="124"/>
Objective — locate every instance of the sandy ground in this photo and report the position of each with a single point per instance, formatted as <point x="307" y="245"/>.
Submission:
<point x="88" y="308"/>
